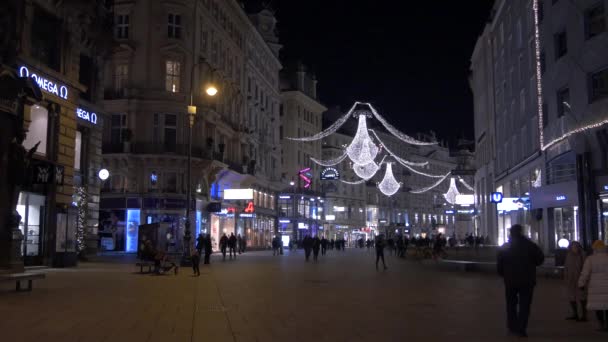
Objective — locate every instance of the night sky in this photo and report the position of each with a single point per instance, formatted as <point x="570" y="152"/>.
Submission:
<point x="409" y="58"/>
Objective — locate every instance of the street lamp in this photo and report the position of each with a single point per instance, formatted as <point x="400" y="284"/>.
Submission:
<point x="210" y="91"/>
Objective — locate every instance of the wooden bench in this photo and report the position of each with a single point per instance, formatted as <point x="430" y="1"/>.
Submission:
<point x="18" y="277"/>
<point x="142" y="264"/>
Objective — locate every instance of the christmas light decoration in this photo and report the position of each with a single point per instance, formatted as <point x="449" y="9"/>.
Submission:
<point x="575" y="131"/>
<point x="450" y="196"/>
<point x="432" y="186"/>
<point x="330" y="162"/>
<point x="404" y="137"/>
<point x="399" y="159"/>
<point x="82" y="202"/>
<point x="389" y="185"/>
<point x="366" y="171"/>
<point x="539" y="81"/>
<point x="466" y="185"/>
<point x="331" y="129"/>
<point x="362" y="150"/>
<point x="360" y="181"/>
<point x="538" y="182"/>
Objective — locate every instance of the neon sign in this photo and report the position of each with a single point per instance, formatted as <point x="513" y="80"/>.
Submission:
<point x="250" y="208"/>
<point x="496" y="197"/>
<point x="560" y="198"/>
<point x="305" y="175"/>
<point x="83" y="114"/>
<point x="330" y="173"/>
<point x="45" y="84"/>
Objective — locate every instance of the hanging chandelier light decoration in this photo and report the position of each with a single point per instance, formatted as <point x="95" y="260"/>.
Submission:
<point x="362" y="149"/>
<point x="452" y="193"/>
<point x="366" y="171"/>
<point x="330" y="162"/>
<point x="389" y="185"/>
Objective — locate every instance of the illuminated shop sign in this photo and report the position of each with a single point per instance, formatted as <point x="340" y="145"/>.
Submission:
<point x="284" y="221"/>
<point x="45" y="84"/>
<point x="330" y="217"/>
<point x="302" y="225"/>
<point x="465" y="199"/>
<point x="86" y="116"/>
<point x="560" y="198"/>
<point x="330" y="173"/>
<point x="238" y="194"/>
<point x="449" y="212"/>
<point x="511" y="204"/>
<point x="606" y="187"/>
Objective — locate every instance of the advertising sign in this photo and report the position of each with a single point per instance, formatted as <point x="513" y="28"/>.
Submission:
<point x="330" y="173"/>
<point x="238" y="194"/>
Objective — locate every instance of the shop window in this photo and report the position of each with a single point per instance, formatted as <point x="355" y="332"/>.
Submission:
<point x="31" y="208"/>
<point x="172" y="76"/>
<point x="595" y="21"/>
<point x="77" y="150"/>
<point x="46" y="39"/>
<point x="37" y="129"/>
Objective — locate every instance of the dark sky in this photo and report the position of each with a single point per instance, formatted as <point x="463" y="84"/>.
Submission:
<point x="408" y="58"/>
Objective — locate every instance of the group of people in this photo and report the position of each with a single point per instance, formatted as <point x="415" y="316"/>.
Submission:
<point x="586" y="280"/>
<point x="233" y="244"/>
<point x="314" y="245"/>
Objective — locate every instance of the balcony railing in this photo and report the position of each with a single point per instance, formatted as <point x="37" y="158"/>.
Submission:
<point x="160" y="148"/>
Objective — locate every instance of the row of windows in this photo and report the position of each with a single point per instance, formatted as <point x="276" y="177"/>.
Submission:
<point x="122" y="23"/>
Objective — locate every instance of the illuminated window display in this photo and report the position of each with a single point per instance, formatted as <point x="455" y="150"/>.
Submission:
<point x="31" y="208"/>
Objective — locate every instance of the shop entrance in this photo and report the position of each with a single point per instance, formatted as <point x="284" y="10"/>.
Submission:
<point x="32" y="209"/>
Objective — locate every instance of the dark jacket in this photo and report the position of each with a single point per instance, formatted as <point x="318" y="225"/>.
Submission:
<point x="517" y="262"/>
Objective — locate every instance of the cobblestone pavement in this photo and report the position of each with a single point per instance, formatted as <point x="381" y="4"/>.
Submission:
<point x="259" y="297"/>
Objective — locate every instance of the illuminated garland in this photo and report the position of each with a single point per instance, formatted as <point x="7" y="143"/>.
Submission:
<point x="331" y="129"/>
<point x="397" y="158"/>
<point x="404" y="137"/>
<point x="575" y="131"/>
<point x="361" y="181"/>
<point x="539" y="82"/>
<point x="82" y="204"/>
<point x="330" y="162"/>
<point x="434" y="185"/>
<point x="466" y="185"/>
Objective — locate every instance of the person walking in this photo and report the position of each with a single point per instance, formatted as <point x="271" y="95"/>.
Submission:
<point x="573" y="266"/>
<point x="208" y="248"/>
<point x="594" y="277"/>
<point x="316" y="246"/>
<point x="399" y="244"/>
<point x="275" y="245"/>
<point x="196" y="260"/>
<point x="200" y="242"/>
<point x="307" y="243"/>
<point x="516" y="263"/>
<point x="239" y="244"/>
<point x="232" y="245"/>
<point x="406" y="242"/>
<point x="380" y="244"/>
<point x="324" y="243"/>
<point x="223" y="245"/>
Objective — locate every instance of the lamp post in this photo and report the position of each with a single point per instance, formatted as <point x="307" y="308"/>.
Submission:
<point x="210" y="91"/>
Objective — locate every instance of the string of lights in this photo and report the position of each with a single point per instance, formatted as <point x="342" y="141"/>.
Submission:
<point x="466" y="185"/>
<point x="330" y="162"/>
<point x="331" y="129"/>
<point x="360" y="181"/>
<point x="397" y="158"/>
<point x="431" y="187"/>
<point x="404" y="137"/>
<point x="539" y="80"/>
<point x="575" y="131"/>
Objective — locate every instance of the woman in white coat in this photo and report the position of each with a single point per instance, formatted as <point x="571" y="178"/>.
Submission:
<point x="595" y="277"/>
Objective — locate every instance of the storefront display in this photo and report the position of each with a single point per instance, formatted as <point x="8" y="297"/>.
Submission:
<point x="31" y="207"/>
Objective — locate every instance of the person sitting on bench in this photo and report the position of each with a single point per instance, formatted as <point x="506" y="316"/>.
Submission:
<point x="162" y="264"/>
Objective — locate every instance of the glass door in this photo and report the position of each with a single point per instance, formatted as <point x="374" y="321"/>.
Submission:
<point x="31" y="207"/>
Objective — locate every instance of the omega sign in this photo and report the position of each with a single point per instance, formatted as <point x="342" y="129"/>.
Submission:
<point x="45" y="84"/>
<point x="83" y="114"/>
<point x="330" y="173"/>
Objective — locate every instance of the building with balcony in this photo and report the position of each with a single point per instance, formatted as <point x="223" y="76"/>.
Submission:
<point x="165" y="54"/>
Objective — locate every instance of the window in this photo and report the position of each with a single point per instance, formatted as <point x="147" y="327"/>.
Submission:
<point x="172" y="78"/>
<point x="118" y="129"/>
<point x="174" y="26"/>
<point x="563" y="102"/>
<point x="595" y="21"/>
<point x="46" y="39"/>
<point x="170" y="182"/>
<point x="77" y="150"/>
<point x="170" y="132"/>
<point x="599" y="85"/>
<point x="560" y="44"/>
<point x="37" y="129"/>
<point x="122" y="26"/>
<point x="121" y="76"/>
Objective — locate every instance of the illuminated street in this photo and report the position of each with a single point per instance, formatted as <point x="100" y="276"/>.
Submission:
<point x="265" y="298"/>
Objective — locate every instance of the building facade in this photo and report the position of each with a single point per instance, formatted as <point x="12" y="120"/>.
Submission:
<point x="154" y="73"/>
<point x="58" y="197"/>
<point x="543" y="63"/>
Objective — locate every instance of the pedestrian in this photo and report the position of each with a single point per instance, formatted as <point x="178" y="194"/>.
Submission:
<point x="316" y="245"/>
<point x="516" y="263"/>
<point x="594" y="277"/>
<point x="196" y="260"/>
<point x="275" y="245"/>
<point x="575" y="259"/>
<point x="223" y="245"/>
<point x="208" y="248"/>
<point x="406" y="242"/>
<point x="399" y="244"/>
<point x="200" y="242"/>
<point x="232" y="245"/>
<point x="239" y="244"/>
<point x="324" y="243"/>
<point x="307" y="243"/>
<point x="380" y="244"/>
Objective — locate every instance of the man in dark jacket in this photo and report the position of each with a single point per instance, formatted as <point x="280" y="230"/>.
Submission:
<point x="307" y="246"/>
<point x="316" y="245"/>
<point x="207" y="246"/>
<point x="232" y="245"/>
<point x="517" y="262"/>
